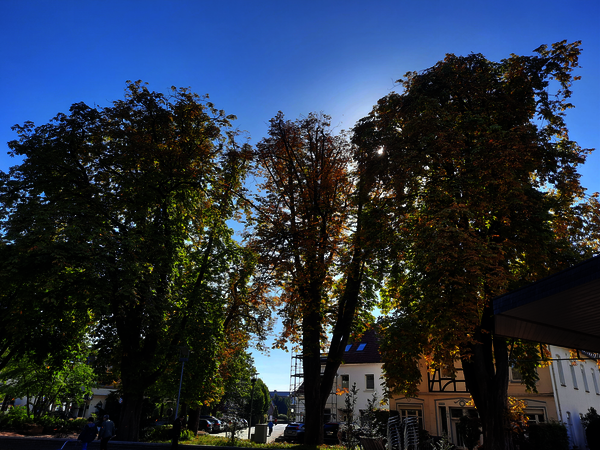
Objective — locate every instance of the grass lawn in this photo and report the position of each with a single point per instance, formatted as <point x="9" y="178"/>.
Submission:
<point x="219" y="441"/>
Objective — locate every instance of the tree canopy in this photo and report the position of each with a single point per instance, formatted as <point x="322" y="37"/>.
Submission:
<point x="311" y="236"/>
<point x="127" y="208"/>
<point x="484" y="197"/>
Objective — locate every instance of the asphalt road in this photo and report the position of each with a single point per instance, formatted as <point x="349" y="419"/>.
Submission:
<point x="243" y="434"/>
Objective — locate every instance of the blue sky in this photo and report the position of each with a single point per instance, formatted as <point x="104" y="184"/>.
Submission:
<point x="256" y="58"/>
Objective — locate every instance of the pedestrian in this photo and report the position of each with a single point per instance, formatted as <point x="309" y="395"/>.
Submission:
<point x="88" y="434"/>
<point x="270" y="425"/>
<point x="107" y="430"/>
<point x="176" y="432"/>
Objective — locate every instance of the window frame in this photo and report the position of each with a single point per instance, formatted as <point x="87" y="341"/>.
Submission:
<point x="345" y="381"/>
<point x="369" y="377"/>
<point x="595" y="380"/>
<point x="585" y="381"/>
<point x="561" y="373"/>
<point x="573" y="376"/>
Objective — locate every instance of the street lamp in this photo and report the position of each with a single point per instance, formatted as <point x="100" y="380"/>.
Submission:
<point x="184" y="355"/>
<point x="253" y="381"/>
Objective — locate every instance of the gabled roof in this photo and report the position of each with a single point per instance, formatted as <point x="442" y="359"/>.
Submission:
<point x="363" y="351"/>
<point x="562" y="309"/>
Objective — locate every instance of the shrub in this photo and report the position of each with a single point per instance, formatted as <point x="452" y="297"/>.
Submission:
<point x="76" y="424"/>
<point x="186" y="435"/>
<point x="592" y="433"/>
<point x="14" y="418"/>
<point x="547" y="436"/>
<point x="52" y="424"/>
<point x="590" y="416"/>
<point x="160" y="433"/>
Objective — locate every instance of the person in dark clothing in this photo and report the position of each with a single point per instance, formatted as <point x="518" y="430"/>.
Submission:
<point x="107" y="430"/>
<point x="176" y="432"/>
<point x="88" y="434"/>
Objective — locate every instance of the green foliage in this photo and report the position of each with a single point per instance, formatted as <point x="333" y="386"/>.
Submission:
<point x="159" y="434"/>
<point x="482" y="197"/>
<point x="186" y="435"/>
<point x="240" y="367"/>
<point x="592" y="433"/>
<point x="549" y="436"/>
<point x="125" y="209"/>
<point x="351" y="425"/>
<point x="589" y="417"/>
<point x="14" y="417"/>
<point x="48" y="381"/>
<point x="261" y="400"/>
<point x="443" y="444"/>
<point x="282" y="404"/>
<point x="218" y="441"/>
<point x="311" y="234"/>
<point x="373" y="420"/>
<point x="164" y="433"/>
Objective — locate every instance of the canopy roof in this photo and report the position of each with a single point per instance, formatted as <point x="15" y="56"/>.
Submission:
<point x="562" y="309"/>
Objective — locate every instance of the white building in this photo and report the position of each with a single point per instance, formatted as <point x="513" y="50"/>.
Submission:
<point x="361" y="367"/>
<point x="576" y="388"/>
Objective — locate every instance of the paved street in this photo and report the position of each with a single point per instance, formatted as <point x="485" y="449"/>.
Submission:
<point x="243" y="434"/>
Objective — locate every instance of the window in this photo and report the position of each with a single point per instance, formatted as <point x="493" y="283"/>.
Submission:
<point x="535" y="415"/>
<point x="595" y="380"/>
<point x="406" y="411"/>
<point x="345" y="381"/>
<point x="585" y="383"/>
<point x="361" y="347"/>
<point x="572" y="367"/>
<point x="561" y="374"/>
<point x="370" y="381"/>
<point x="348" y="347"/>
<point x="515" y="375"/>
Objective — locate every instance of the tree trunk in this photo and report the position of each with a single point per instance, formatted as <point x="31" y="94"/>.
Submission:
<point x="311" y="359"/>
<point x="486" y="378"/>
<point x="194" y="422"/>
<point x="131" y="412"/>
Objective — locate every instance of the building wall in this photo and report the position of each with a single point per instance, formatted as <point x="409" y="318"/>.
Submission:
<point x="567" y="389"/>
<point x="440" y="411"/>
<point x="357" y="373"/>
<point x="577" y="388"/>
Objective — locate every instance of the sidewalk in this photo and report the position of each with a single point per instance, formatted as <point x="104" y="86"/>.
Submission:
<point x="277" y="431"/>
<point x="243" y="434"/>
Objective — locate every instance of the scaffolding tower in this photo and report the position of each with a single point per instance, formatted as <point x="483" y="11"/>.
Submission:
<point x="297" y="407"/>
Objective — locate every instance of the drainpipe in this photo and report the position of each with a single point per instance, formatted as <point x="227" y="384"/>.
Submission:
<point x="556" y="399"/>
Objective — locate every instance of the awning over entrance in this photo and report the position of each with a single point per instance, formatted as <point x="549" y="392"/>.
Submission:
<point x="563" y="309"/>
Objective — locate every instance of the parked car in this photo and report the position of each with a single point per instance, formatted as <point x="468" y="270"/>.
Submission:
<point x="330" y="433"/>
<point x="216" y="423"/>
<point x="205" y="425"/>
<point x="230" y="422"/>
<point x="294" y="432"/>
